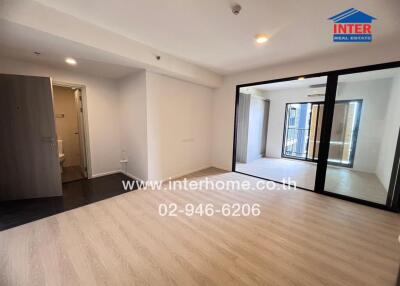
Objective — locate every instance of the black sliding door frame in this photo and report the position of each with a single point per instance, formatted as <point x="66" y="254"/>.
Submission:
<point x="326" y="128"/>
<point x="393" y="200"/>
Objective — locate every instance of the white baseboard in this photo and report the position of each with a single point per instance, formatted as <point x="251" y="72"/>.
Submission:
<point x="222" y="167"/>
<point x="132" y="176"/>
<point x="105" y="174"/>
<point x="186" y="173"/>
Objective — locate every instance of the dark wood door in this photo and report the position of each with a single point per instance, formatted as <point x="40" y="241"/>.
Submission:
<point x="29" y="164"/>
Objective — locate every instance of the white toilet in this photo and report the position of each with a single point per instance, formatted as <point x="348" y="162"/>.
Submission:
<point x="61" y="155"/>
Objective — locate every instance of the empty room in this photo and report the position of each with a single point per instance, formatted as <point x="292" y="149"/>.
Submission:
<point x="249" y="142"/>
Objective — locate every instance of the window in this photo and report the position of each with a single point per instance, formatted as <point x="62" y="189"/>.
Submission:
<point x="297" y="131"/>
<point x="303" y="129"/>
<point x="292" y="117"/>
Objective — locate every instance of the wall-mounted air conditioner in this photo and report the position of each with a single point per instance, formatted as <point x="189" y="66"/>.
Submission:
<point x="316" y="90"/>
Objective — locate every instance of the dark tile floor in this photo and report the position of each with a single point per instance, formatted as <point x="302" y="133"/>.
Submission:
<point x="71" y="173"/>
<point x="76" y="194"/>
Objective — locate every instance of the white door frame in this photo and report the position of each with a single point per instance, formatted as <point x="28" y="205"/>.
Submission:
<point x="85" y="120"/>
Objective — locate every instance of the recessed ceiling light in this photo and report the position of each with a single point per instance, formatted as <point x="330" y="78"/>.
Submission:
<point x="70" y="61"/>
<point x="261" y="38"/>
<point x="301" y="78"/>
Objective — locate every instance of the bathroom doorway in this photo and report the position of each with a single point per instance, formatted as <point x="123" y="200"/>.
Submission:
<point x="69" y="114"/>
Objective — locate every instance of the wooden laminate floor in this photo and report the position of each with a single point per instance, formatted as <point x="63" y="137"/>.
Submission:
<point x="300" y="238"/>
<point x="339" y="180"/>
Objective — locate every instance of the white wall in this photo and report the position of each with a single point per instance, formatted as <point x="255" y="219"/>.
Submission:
<point x="224" y="97"/>
<point x="133" y="118"/>
<point x="390" y="135"/>
<point x="103" y="111"/>
<point x="375" y="96"/>
<point x="165" y="126"/>
<point x="162" y="124"/>
<point x="178" y="126"/>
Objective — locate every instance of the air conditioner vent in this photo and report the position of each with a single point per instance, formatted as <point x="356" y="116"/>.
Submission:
<point x="316" y="90"/>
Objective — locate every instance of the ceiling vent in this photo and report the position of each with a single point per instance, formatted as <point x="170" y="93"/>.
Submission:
<point x="316" y="90"/>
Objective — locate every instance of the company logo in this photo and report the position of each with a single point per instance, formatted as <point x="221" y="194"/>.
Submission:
<point x="352" y="25"/>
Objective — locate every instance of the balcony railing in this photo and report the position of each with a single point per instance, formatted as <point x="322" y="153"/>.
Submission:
<point x="296" y="142"/>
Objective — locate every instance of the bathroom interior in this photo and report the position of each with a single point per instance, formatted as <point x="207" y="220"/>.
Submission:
<point x="70" y="132"/>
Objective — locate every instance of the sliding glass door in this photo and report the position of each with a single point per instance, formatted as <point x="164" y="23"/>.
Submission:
<point x="265" y="113"/>
<point x="335" y="133"/>
<point x="363" y="136"/>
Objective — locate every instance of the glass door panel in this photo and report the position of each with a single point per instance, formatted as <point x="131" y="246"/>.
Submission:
<point x="364" y="135"/>
<point x="344" y="132"/>
<point x="287" y="110"/>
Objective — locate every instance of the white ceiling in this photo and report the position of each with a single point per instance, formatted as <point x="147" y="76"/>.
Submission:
<point x="20" y="42"/>
<point x="207" y="33"/>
